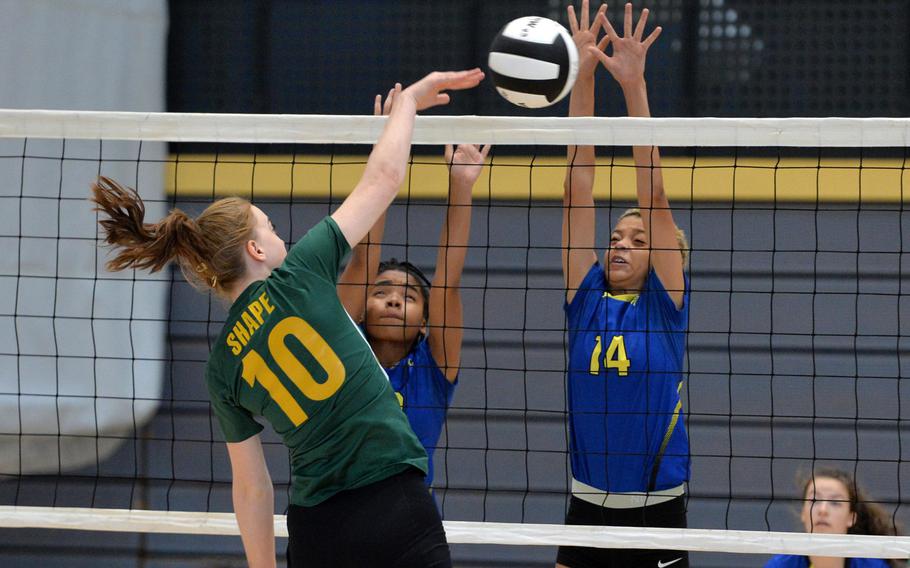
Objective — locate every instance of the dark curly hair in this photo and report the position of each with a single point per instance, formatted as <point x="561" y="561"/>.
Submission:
<point x="871" y="518"/>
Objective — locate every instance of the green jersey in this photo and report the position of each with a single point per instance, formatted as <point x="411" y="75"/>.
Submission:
<point x="289" y="352"/>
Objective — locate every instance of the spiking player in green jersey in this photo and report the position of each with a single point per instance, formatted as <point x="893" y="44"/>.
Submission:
<point x="290" y="353"/>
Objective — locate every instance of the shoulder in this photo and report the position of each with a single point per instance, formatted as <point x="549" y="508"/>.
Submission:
<point x="421" y="353"/>
<point x="213" y="365"/>
<point x="591" y="288"/>
<point x="653" y="282"/>
<point x="596" y="278"/>
<point x="654" y="294"/>
<point x="214" y="368"/>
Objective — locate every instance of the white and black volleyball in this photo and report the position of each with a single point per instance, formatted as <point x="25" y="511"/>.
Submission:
<point x="533" y="61"/>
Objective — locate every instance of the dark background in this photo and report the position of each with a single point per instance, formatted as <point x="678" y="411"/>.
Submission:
<point x="730" y="58"/>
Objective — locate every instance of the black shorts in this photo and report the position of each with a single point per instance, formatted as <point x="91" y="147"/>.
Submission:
<point x="393" y="523"/>
<point x="669" y="514"/>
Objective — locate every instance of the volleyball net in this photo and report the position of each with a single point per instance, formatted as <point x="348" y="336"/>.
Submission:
<point x="796" y="345"/>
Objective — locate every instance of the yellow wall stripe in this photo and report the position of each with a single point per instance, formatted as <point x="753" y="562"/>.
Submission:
<point x="713" y="179"/>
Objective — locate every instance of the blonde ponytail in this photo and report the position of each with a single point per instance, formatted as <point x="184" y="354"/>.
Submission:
<point x="208" y="249"/>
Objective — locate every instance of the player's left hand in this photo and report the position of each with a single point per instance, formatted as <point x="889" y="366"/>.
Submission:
<point x="627" y="64"/>
<point x="429" y="91"/>
<point x="465" y="163"/>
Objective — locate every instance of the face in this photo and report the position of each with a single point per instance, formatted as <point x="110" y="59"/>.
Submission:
<point x="826" y="508"/>
<point x="267" y="240"/>
<point x="629" y="257"/>
<point x="395" y="307"/>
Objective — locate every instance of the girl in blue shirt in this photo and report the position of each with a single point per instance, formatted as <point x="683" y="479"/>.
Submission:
<point x="414" y="327"/>
<point x="626" y="322"/>
<point x="833" y="504"/>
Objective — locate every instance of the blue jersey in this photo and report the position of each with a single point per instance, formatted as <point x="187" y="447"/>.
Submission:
<point x="791" y="561"/>
<point x="625" y="376"/>
<point x="425" y="395"/>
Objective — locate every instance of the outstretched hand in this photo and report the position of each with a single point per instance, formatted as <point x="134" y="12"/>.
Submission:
<point x="627" y="64"/>
<point x="465" y="162"/>
<point x="428" y="92"/>
<point x="383" y="109"/>
<point x="585" y="34"/>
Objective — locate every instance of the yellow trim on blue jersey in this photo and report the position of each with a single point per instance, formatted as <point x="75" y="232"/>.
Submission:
<point x="631" y="298"/>
<point x="672" y="426"/>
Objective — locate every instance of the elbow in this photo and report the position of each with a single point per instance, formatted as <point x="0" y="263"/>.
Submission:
<point x="254" y="489"/>
<point x="261" y="493"/>
<point x="389" y="175"/>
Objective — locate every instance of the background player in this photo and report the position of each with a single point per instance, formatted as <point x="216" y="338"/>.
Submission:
<point x="834" y="504"/>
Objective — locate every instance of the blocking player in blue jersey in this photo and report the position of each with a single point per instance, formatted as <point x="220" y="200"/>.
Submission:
<point x="626" y="322"/>
<point x="415" y="327"/>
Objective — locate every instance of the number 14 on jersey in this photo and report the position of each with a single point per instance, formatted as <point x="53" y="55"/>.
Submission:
<point x="614" y="359"/>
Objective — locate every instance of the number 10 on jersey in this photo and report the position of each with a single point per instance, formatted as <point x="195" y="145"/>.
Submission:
<point x="256" y="370"/>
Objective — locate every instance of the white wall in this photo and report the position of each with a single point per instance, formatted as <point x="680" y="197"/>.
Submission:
<point x="82" y="359"/>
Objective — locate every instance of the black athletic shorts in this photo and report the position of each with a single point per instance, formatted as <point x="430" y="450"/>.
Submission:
<point x="390" y="523"/>
<point x="670" y="514"/>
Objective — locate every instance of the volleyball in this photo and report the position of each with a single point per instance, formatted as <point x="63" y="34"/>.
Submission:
<point x="533" y="62"/>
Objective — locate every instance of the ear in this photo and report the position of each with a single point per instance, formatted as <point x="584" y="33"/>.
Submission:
<point x="253" y="249"/>
<point x="852" y="520"/>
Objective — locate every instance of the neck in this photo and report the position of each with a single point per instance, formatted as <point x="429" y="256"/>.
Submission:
<point x="620" y="291"/>
<point x="826" y="562"/>
<point x="253" y="274"/>
<point x="388" y="352"/>
<point x="238" y="289"/>
<point x="628" y="286"/>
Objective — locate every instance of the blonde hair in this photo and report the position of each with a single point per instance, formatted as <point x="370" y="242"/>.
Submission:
<point x="208" y="249"/>
<point x="680" y="235"/>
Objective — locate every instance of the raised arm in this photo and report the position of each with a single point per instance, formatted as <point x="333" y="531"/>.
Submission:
<point x="627" y="65"/>
<point x="578" y="220"/>
<point x="445" y="310"/>
<point x="387" y="164"/>
<point x="254" y="501"/>
<point x="365" y="257"/>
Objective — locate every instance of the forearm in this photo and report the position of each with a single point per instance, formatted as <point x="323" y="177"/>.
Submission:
<point x="254" y="508"/>
<point x="578" y="200"/>
<point x="454" y="236"/>
<point x="382" y="177"/>
<point x="387" y="164"/>
<point x="648" y="173"/>
<point x="581" y="103"/>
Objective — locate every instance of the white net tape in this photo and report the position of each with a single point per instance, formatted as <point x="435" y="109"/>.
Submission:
<point x="318" y="129"/>
<point x="462" y="532"/>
